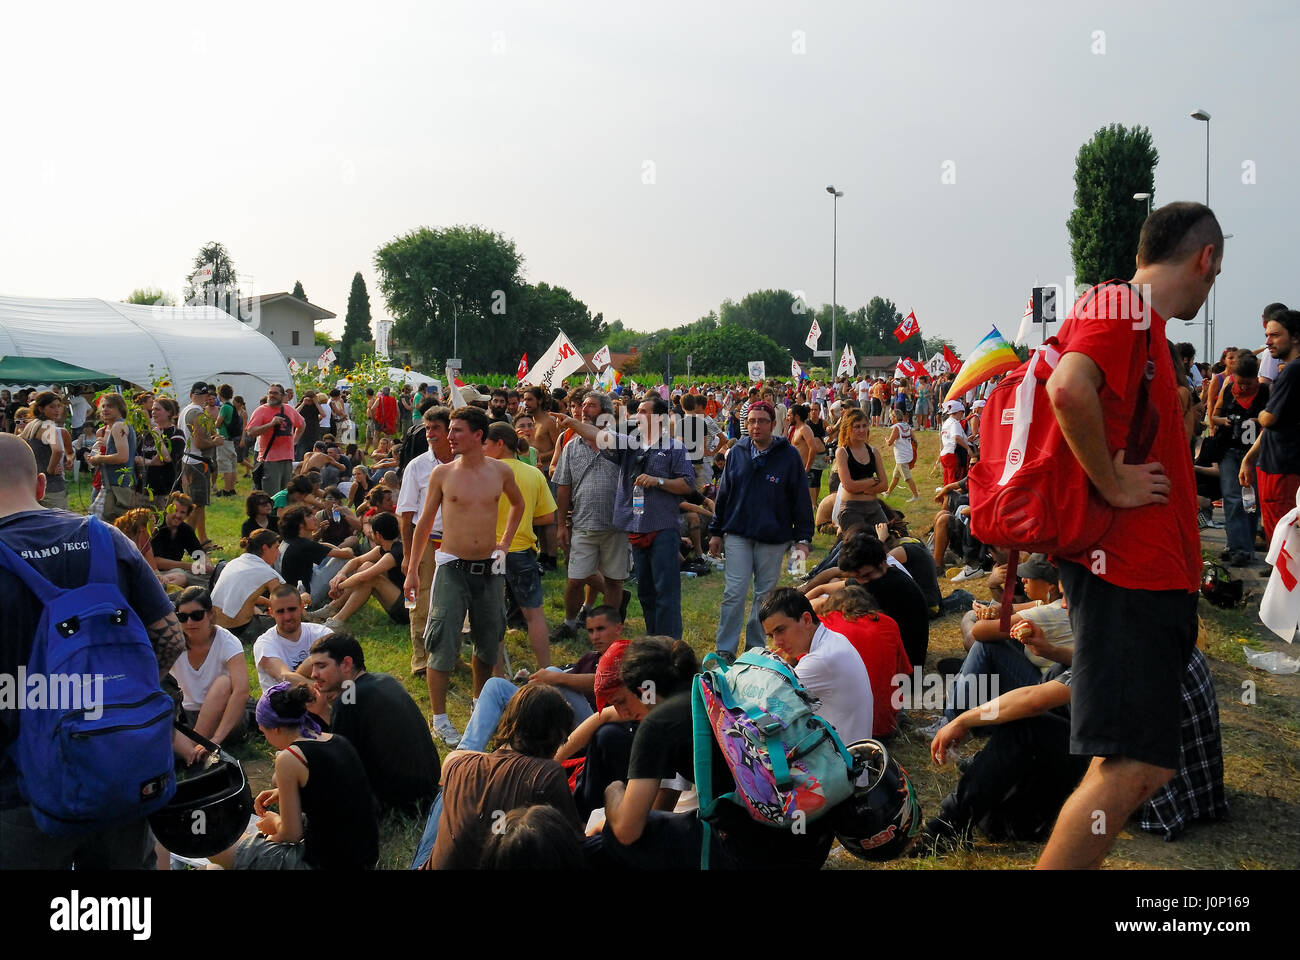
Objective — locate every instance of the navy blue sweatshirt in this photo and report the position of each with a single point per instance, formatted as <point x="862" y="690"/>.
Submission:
<point x="763" y="496"/>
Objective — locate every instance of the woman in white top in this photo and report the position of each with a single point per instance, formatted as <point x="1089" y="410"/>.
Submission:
<point x="901" y="442"/>
<point x="245" y="583"/>
<point x="212" y="674"/>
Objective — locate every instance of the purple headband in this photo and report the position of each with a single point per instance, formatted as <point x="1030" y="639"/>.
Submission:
<point x="267" y="717"/>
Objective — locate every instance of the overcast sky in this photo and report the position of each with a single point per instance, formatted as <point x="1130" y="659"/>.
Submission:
<point x="304" y="136"/>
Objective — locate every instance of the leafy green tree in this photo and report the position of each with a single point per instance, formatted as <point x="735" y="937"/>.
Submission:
<point x="356" y="324"/>
<point x="150" y="296"/>
<point x="724" y="351"/>
<point x="323" y="340"/>
<point x="222" y="289"/>
<point x="477" y="269"/>
<point x="298" y="291"/>
<point x="1104" y="226"/>
<point x="777" y="314"/>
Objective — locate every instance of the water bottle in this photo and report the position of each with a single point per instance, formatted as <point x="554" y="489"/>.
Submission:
<point x="638" y="501"/>
<point x="1248" y="499"/>
<point x="337" y="516"/>
<point x="796" y="566"/>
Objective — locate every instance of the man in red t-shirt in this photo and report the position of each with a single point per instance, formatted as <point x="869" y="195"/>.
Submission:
<point x="1133" y="593"/>
<point x="275" y="425"/>
<point x="386" y="412"/>
<point x="879" y="644"/>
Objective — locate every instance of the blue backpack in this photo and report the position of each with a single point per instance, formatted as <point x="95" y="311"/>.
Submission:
<point x="788" y="764"/>
<point x="91" y="754"/>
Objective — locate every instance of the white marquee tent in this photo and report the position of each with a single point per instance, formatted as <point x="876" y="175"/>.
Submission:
<point x="138" y="342"/>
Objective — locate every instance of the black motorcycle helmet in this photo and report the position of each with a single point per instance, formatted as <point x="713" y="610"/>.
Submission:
<point x="211" y="807"/>
<point x="881" y="818"/>
<point x="1217" y="585"/>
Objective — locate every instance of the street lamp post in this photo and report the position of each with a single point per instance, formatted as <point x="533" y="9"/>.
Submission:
<point x="1147" y="198"/>
<point x="835" y="199"/>
<point x="455" y="322"/>
<point x="1205" y="117"/>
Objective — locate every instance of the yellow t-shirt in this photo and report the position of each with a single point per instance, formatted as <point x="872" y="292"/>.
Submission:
<point x="538" y="502"/>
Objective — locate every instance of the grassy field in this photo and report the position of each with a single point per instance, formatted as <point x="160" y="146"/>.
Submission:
<point x="1261" y="740"/>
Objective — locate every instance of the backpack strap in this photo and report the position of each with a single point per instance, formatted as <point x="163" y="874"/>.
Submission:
<point x="45" y="591"/>
<point x="103" y="556"/>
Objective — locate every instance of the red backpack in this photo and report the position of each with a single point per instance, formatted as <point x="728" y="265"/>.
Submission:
<point x="1028" y="493"/>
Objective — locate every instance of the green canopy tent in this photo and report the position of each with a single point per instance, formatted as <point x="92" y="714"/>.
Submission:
<point x="28" y="371"/>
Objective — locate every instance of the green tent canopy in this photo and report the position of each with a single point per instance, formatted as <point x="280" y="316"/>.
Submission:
<point x="42" y="370"/>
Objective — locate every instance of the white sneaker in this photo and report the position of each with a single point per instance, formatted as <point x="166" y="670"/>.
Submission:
<point x="911" y="499"/>
<point x="970" y="573"/>
<point x="446" y="732"/>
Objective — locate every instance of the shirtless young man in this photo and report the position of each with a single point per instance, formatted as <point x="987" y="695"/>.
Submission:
<point x="468" y="576"/>
<point x="800" y="434"/>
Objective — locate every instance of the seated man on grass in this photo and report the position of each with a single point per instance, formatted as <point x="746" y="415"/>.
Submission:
<point x="375" y="574"/>
<point x="1015" y="786"/>
<point x="378" y="717"/>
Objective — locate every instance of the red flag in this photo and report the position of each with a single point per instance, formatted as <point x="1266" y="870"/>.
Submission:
<point x="953" y="363"/>
<point x="908" y="327"/>
<point x="455" y="378"/>
<point x="523" y="367"/>
<point x="909" y="368"/>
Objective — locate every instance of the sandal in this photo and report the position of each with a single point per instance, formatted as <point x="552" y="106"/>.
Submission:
<point x="207" y="546"/>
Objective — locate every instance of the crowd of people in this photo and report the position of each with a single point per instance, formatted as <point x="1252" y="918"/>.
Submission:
<point x="450" y="515"/>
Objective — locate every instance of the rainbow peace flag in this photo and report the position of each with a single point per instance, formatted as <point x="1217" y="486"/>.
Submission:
<point x="991" y="356"/>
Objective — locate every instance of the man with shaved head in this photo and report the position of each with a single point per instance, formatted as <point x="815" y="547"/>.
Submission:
<point x="56" y="544"/>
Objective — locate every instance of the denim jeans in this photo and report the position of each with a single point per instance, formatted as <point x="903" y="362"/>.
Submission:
<point x="1239" y="525"/>
<point x="1004" y="660"/>
<point x="492" y="700"/>
<point x="746" y="560"/>
<point x="659" y="585"/>
<point x="430" y="836"/>
<point x="959" y="601"/>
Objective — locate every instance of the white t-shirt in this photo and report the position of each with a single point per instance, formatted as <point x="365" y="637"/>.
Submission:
<point x="79" y="408"/>
<point x="1054" y="620"/>
<point x="415" y="484"/>
<point x="195" y="681"/>
<point x="292" y="652"/>
<point x="1268" y="366"/>
<point x="864" y="391"/>
<point x="903" y="445"/>
<point x="948" y="434"/>
<point x="833" y="672"/>
<point x="239" y="579"/>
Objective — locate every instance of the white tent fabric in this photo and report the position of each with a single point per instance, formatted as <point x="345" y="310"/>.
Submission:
<point x="139" y="342"/>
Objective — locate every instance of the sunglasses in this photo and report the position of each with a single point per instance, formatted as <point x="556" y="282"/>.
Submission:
<point x="196" y="616"/>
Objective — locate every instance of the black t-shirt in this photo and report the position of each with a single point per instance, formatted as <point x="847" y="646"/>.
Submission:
<point x="300" y="555"/>
<point x="389" y="731"/>
<point x="160" y="479"/>
<point x="664" y="747"/>
<point x="899" y="597"/>
<point x="1243" y="422"/>
<point x="1279" y="451"/>
<point x="55" y="543"/>
<point x="394" y="573"/>
<point x="186" y="542"/>
<point x="251" y="527"/>
<point x="341" y="831"/>
<point x="920" y="564"/>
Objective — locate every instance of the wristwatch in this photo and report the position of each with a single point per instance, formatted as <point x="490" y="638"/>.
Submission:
<point x="661" y="480"/>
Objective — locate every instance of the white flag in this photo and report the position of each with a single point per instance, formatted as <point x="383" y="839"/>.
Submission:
<point x="1026" y="323"/>
<point x="757" y="370"/>
<point x="327" y="357"/>
<point x="846" y="362"/>
<point x="937" y="365"/>
<point x="795" y="370"/>
<point x="600" y="360"/>
<point x="294" y="366"/>
<point x="814" y="334"/>
<point x="555" y="364"/>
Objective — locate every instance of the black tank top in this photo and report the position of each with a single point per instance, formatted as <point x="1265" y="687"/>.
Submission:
<point x="341" y="831"/>
<point x="861" y="471"/>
